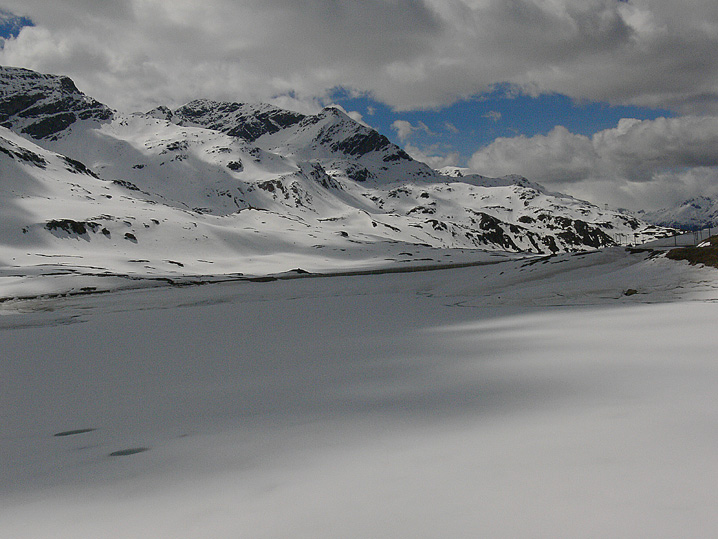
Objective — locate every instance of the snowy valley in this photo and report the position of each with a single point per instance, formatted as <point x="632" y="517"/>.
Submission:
<point x="230" y="189"/>
<point x="527" y="398"/>
<point x="377" y="349"/>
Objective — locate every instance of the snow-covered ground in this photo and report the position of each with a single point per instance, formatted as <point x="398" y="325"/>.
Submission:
<point x="530" y="398"/>
<point x="218" y="190"/>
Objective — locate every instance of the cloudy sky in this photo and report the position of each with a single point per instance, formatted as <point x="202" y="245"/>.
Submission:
<point x="614" y="101"/>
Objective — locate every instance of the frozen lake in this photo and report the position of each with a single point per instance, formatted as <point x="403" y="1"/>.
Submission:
<point x="513" y="400"/>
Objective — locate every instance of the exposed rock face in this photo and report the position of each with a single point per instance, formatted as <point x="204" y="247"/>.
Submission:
<point x="13" y="151"/>
<point x="42" y="106"/>
<point x="246" y="121"/>
<point x="360" y="144"/>
<point x="331" y="130"/>
<point x="338" y="133"/>
<point x="161" y="113"/>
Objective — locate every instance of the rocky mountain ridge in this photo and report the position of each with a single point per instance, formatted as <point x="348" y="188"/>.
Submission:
<point x="244" y="188"/>
<point x="43" y="106"/>
<point x="693" y="214"/>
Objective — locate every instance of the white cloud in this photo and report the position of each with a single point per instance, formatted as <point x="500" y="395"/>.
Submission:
<point x="451" y="128"/>
<point x="354" y="115"/>
<point x="134" y="54"/>
<point x="559" y="156"/>
<point x="639" y="163"/>
<point x="304" y="106"/>
<point x="406" y="53"/>
<point x="405" y="130"/>
<point x="412" y="54"/>
<point x="433" y="156"/>
<point x="494" y="115"/>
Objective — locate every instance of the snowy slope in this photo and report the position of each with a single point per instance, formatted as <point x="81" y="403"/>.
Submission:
<point x="450" y="403"/>
<point x="693" y="214"/>
<point x="43" y="106"/>
<point x="331" y="138"/>
<point x="244" y="120"/>
<point x="228" y="188"/>
<point x="570" y="395"/>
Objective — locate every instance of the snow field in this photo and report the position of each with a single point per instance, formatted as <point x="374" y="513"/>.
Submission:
<point x="434" y="404"/>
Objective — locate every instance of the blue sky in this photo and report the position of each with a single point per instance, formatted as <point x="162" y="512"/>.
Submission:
<point x="612" y="101"/>
<point x="10" y="25"/>
<point x="458" y="130"/>
<point x="468" y="125"/>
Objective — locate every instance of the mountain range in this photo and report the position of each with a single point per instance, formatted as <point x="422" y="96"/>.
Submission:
<point x="693" y="214"/>
<point x="216" y="188"/>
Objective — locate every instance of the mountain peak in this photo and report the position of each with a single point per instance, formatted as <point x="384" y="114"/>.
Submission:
<point x="334" y="111"/>
<point x="43" y="106"/>
<point x="694" y="213"/>
<point x="258" y="176"/>
<point x="243" y="120"/>
<point x="332" y="132"/>
<point x="160" y="113"/>
<point x="453" y="172"/>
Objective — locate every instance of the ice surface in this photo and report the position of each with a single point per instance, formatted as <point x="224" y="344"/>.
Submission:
<point x="523" y="399"/>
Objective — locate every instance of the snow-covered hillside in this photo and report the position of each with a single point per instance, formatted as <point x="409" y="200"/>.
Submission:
<point x="465" y="363"/>
<point x="534" y="398"/>
<point x="693" y="214"/>
<point x="43" y="106"/>
<point x="228" y="188"/>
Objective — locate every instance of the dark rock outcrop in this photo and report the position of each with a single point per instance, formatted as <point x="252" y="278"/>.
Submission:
<point x="43" y="106"/>
<point x="248" y="122"/>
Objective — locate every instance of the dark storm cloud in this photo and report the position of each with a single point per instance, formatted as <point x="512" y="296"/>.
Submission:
<point x="407" y="53"/>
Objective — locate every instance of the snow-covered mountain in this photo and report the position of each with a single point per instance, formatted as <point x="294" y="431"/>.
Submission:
<point x="43" y="106"/>
<point x="693" y="214"/>
<point x="217" y="188"/>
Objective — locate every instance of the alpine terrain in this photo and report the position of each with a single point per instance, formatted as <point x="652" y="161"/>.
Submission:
<point x="693" y="214"/>
<point x="216" y="188"/>
<point x="468" y="356"/>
